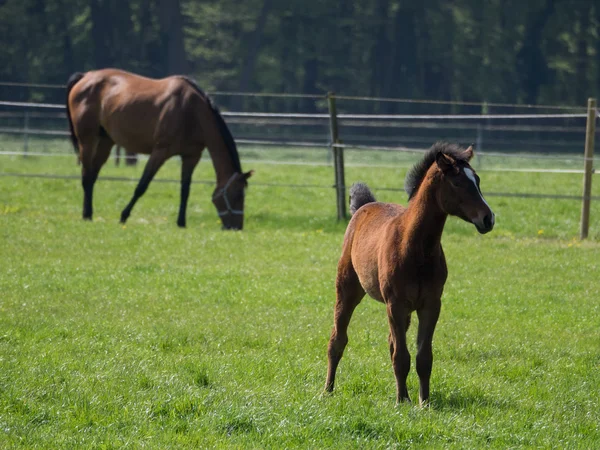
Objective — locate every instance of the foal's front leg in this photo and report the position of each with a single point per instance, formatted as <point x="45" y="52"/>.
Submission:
<point x="428" y="318"/>
<point x="397" y="315"/>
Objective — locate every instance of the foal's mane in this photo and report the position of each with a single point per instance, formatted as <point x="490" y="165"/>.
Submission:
<point x="223" y="128"/>
<point x="415" y="176"/>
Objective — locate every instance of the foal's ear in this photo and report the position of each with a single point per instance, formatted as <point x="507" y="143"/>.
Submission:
<point x="445" y="162"/>
<point x="248" y="174"/>
<point x="468" y="153"/>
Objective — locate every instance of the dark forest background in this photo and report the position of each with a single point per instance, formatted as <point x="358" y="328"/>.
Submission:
<point x="510" y="51"/>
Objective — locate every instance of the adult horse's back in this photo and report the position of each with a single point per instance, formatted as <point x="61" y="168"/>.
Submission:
<point x="160" y="118"/>
<point x="395" y="255"/>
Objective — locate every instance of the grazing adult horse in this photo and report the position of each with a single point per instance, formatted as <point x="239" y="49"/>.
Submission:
<point x="160" y="118"/>
<point x="395" y="255"/>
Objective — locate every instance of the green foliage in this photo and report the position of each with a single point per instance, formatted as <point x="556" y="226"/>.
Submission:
<point x="148" y="335"/>
<point x="541" y="51"/>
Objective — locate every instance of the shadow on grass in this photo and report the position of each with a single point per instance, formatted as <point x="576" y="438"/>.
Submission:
<point x="466" y="400"/>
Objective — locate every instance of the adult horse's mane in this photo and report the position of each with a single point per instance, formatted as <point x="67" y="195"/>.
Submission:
<point x="415" y="176"/>
<point x="223" y="128"/>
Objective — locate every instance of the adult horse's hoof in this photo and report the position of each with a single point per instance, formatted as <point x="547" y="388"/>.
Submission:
<point x="403" y="400"/>
<point x="181" y="223"/>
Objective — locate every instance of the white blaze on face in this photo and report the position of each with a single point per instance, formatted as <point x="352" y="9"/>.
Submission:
<point x="471" y="176"/>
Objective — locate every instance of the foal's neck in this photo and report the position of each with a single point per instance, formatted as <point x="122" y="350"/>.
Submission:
<point x="424" y="219"/>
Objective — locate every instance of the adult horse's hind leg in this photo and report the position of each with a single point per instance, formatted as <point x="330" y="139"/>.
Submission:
<point x="156" y="160"/>
<point x="349" y="293"/>
<point x="397" y="316"/>
<point x="427" y="320"/>
<point x="188" y="164"/>
<point x="94" y="154"/>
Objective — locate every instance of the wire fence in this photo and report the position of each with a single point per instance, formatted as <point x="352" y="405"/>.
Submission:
<point x="548" y="140"/>
<point x="494" y="134"/>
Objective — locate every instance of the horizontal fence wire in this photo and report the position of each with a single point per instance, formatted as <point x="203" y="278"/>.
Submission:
<point x="347" y="116"/>
<point x="339" y="97"/>
<point x="284" y="185"/>
<point x="356" y="120"/>
<point x="316" y="145"/>
<point x="159" y="180"/>
<point x="459" y="103"/>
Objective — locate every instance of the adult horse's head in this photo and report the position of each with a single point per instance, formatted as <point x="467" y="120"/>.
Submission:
<point x="460" y="194"/>
<point x="229" y="200"/>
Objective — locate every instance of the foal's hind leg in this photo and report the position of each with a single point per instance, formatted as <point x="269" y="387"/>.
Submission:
<point x="156" y="160"/>
<point x="349" y="293"/>
<point x="397" y="316"/>
<point x="428" y="318"/>
<point x="188" y="164"/>
<point x="94" y="154"/>
<point x="391" y="339"/>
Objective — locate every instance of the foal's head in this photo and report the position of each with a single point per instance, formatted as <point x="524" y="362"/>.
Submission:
<point x="458" y="193"/>
<point x="229" y="200"/>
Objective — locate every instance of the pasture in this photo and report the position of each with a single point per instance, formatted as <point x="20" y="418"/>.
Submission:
<point x="147" y="335"/>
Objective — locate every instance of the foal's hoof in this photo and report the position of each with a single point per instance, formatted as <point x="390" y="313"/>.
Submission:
<point x="181" y="223"/>
<point x="326" y="393"/>
<point x="124" y="217"/>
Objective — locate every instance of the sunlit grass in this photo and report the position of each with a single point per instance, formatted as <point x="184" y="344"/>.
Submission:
<point x="149" y="335"/>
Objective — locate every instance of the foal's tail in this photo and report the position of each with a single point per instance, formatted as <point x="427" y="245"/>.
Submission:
<point x="73" y="80"/>
<point x="360" y="195"/>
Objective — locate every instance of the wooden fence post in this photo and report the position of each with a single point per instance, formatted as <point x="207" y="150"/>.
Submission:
<point x="338" y="159"/>
<point x="590" y="131"/>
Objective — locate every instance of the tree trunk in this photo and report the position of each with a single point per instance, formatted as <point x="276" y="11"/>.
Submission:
<point x="101" y="34"/>
<point x="380" y="50"/>
<point x="401" y="68"/>
<point x="171" y="23"/>
<point x="581" y="64"/>
<point x="597" y="10"/>
<point x="68" y="56"/>
<point x="532" y="67"/>
<point x="255" y="40"/>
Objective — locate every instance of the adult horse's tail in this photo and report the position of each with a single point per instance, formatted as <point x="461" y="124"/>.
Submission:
<point x="223" y="128"/>
<point x="360" y="195"/>
<point x="73" y="80"/>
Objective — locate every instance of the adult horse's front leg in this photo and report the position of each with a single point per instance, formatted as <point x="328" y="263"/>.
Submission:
<point x="156" y="160"/>
<point x="400" y="356"/>
<point x="428" y="318"/>
<point x="188" y="164"/>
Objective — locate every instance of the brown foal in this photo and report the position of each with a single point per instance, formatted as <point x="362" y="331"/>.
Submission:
<point x="395" y="255"/>
<point x="160" y="118"/>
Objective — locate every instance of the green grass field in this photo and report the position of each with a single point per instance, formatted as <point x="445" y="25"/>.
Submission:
<point x="147" y="335"/>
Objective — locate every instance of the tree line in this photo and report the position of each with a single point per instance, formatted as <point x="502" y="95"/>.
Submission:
<point x="508" y="51"/>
